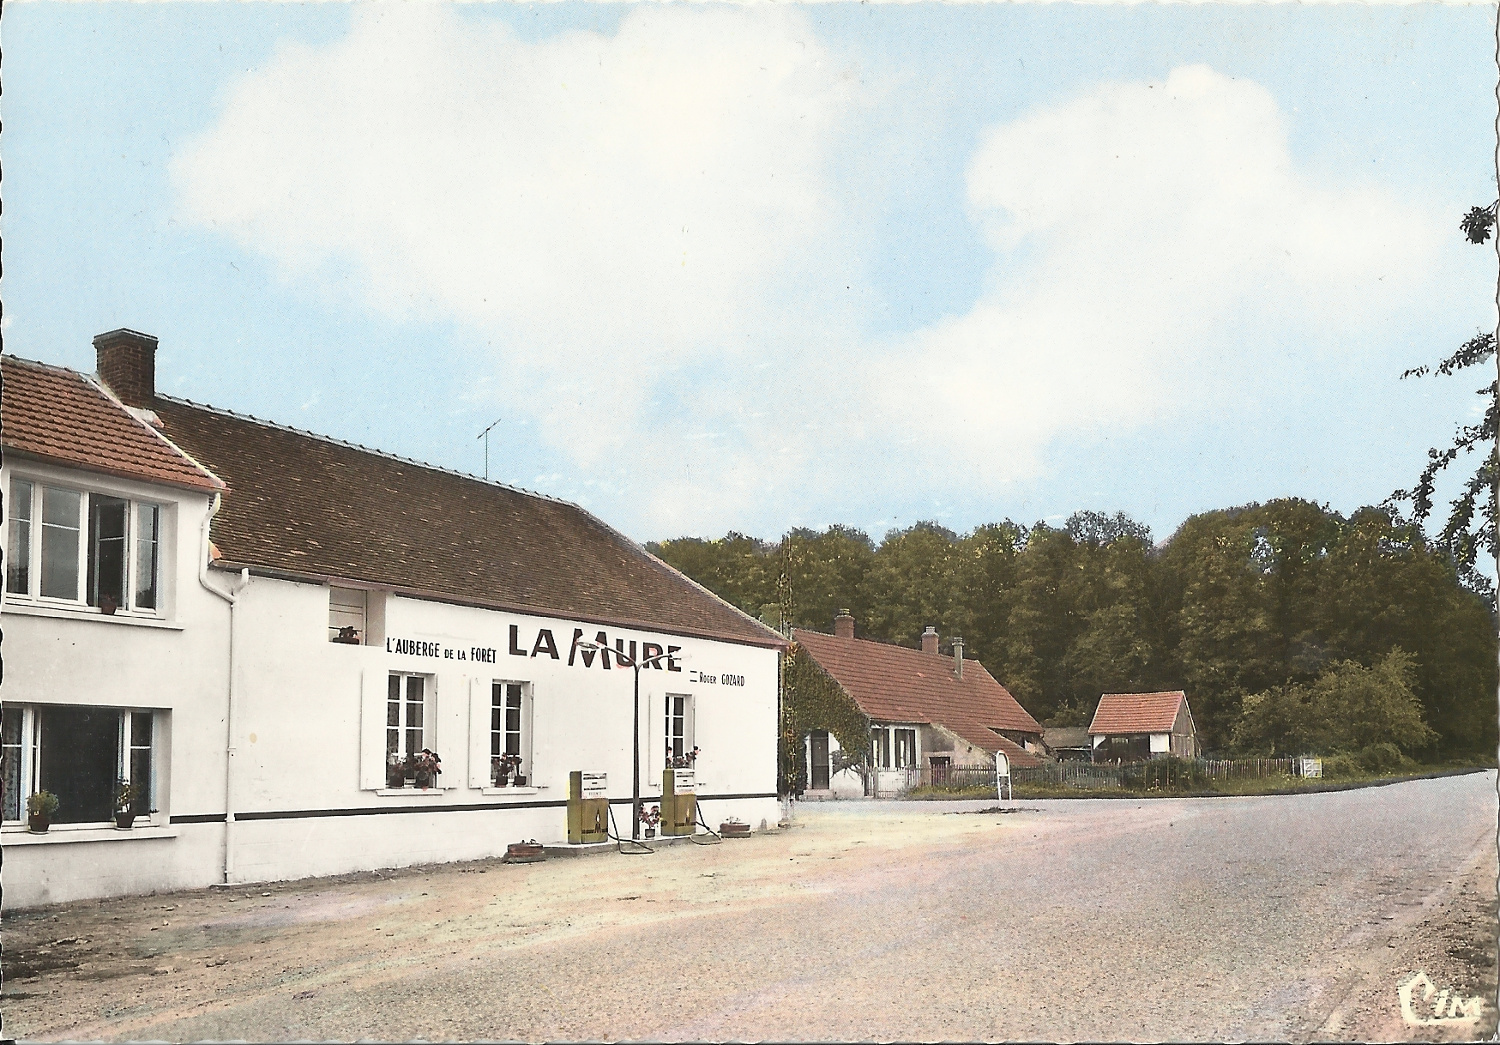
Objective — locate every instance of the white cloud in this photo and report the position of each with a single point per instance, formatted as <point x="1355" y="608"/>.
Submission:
<point x="1156" y="247"/>
<point x="645" y="228"/>
<point x="600" y="205"/>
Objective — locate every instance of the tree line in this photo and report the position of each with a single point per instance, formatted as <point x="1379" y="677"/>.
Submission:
<point x="1291" y="627"/>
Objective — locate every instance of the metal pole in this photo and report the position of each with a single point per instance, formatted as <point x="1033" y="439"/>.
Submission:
<point x="635" y="804"/>
<point x="485" y="435"/>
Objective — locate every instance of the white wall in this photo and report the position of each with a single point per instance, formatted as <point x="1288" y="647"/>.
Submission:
<point x="76" y="655"/>
<point x="298" y="708"/>
<point x="298" y="719"/>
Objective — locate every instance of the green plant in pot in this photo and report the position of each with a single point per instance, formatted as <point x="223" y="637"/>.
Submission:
<point x="501" y="768"/>
<point x="424" y="767"/>
<point x="39" y="810"/>
<point x="126" y="797"/>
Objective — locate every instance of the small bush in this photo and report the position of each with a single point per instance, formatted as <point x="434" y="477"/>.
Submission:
<point x="1381" y="758"/>
<point x="1341" y="765"/>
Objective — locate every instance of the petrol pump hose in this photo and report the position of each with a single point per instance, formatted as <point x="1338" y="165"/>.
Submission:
<point x="614" y="832"/>
<point x="698" y="810"/>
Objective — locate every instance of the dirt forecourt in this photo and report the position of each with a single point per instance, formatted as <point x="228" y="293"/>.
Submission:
<point x="1273" y="918"/>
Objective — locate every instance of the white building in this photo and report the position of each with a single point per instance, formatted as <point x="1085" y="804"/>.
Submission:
<point x="323" y="611"/>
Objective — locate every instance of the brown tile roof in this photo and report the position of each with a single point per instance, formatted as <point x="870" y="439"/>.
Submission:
<point x="62" y="416"/>
<point x="307" y="505"/>
<point x="896" y="684"/>
<point x="1019" y="757"/>
<point x="1137" y="712"/>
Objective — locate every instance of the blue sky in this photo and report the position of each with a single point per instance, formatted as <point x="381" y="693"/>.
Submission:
<point x="752" y="268"/>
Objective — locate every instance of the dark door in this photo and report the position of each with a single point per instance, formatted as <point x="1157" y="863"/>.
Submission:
<point x="939" y="765"/>
<point x="818" y="778"/>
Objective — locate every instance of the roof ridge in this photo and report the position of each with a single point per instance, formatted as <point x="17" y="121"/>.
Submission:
<point x="94" y="382"/>
<point x="917" y="650"/>
<point x="674" y="570"/>
<point x="12" y="358"/>
<point x="372" y="451"/>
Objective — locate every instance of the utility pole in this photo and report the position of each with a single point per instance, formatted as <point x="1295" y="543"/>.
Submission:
<point x="485" y="435"/>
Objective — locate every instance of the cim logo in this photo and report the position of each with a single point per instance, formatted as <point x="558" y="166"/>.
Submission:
<point x="1419" y="1007"/>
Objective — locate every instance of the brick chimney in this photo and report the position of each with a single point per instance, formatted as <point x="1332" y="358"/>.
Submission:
<point x="127" y="365"/>
<point x="843" y="625"/>
<point x="930" y="640"/>
<point x="958" y="658"/>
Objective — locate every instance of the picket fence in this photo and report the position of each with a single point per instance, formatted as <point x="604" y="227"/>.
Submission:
<point x="1161" y="773"/>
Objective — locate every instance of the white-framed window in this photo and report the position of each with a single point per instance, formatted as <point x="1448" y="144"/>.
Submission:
<point x="83" y="547"/>
<point x="679" y="726"/>
<point x="406" y="715"/>
<point x="348" y="613"/>
<point x="893" y="747"/>
<point x="510" y="727"/>
<point x="82" y="755"/>
<point x="905" y="747"/>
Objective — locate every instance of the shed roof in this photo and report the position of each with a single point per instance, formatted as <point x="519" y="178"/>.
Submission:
<point x="308" y="505"/>
<point x="897" y="684"/>
<point x="1137" y="712"/>
<point x="65" y="417"/>
<point x="1066" y="736"/>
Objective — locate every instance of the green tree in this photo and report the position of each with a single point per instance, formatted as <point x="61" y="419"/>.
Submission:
<point x="1348" y="708"/>
<point x="913" y="583"/>
<point x="736" y="568"/>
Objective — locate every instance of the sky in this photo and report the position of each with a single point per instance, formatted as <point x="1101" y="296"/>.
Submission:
<point x="755" y="267"/>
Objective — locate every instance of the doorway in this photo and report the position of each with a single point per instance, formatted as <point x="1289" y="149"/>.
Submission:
<point x="818" y="777"/>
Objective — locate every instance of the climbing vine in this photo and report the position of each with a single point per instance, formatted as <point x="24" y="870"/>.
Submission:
<point x="810" y="699"/>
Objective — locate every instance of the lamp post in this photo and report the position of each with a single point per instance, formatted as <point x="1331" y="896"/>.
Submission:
<point x="635" y="753"/>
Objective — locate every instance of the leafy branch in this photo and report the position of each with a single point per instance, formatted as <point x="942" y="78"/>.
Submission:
<point x="1473" y="515"/>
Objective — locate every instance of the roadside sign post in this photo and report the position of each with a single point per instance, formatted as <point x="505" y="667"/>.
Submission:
<point x="1002" y="777"/>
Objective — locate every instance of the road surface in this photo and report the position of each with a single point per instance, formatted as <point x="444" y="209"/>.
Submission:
<point x="1285" y="918"/>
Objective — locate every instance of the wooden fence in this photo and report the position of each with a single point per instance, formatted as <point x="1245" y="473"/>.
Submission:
<point x="1167" y="774"/>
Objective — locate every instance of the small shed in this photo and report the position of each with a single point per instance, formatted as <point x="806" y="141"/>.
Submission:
<point x="1132" y="727"/>
<point x="1068" y="743"/>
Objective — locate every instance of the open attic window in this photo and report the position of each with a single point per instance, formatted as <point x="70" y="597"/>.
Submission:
<point x="356" y="617"/>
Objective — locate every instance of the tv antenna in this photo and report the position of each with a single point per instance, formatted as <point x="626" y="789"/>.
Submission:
<point x="485" y="435"/>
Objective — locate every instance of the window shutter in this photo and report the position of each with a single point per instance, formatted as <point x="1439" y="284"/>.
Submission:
<point x="372" y="696"/>
<point x="479" y="733"/>
<point x="444" y="735"/>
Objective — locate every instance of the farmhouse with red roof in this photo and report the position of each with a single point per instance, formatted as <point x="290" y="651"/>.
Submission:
<point x="1130" y="727"/>
<point x="928" y="712"/>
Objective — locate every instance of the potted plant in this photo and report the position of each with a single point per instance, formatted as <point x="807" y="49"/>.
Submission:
<point x="126" y="796"/>
<point x="683" y="761"/>
<point x="395" y="770"/>
<point x="108" y="605"/>
<point x="501" y="768"/>
<point x="39" y="810"/>
<point x="424" y="766"/>
<point x="650" y="818"/>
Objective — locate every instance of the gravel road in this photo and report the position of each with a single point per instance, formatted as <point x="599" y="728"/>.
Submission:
<point x="1285" y="918"/>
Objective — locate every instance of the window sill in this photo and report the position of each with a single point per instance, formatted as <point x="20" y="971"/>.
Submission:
<point x="419" y="792"/>
<point x="501" y="792"/>
<point x="60" y="835"/>
<point x="31" y="609"/>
